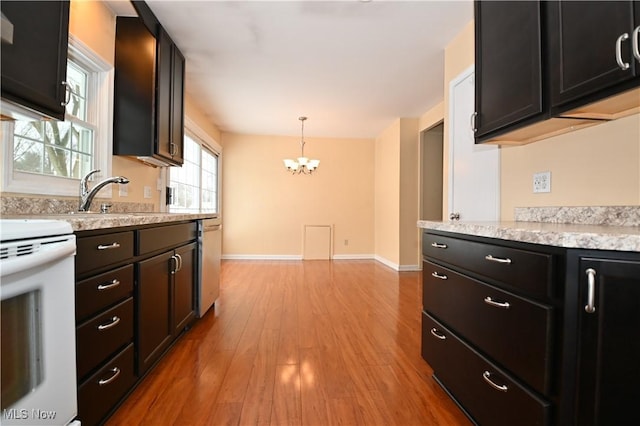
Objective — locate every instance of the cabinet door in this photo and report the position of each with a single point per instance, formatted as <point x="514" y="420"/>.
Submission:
<point x="163" y="101"/>
<point x="34" y="63"/>
<point x="508" y="63"/>
<point x="169" y="105"/>
<point x="582" y="47"/>
<point x="154" y="328"/>
<point x="609" y="342"/>
<point x="183" y="288"/>
<point x="134" y="88"/>
<point x="177" y="106"/>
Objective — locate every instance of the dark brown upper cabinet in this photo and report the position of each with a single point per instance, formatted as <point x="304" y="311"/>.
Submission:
<point x="34" y="55"/>
<point x="170" y="103"/>
<point x="149" y="93"/>
<point x="591" y="50"/>
<point x="508" y="66"/>
<point x="547" y="68"/>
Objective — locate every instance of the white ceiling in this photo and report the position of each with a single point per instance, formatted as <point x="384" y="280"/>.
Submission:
<point x="352" y="67"/>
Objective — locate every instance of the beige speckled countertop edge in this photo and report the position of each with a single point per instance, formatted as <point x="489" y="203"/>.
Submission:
<point x="84" y="222"/>
<point x="598" y="237"/>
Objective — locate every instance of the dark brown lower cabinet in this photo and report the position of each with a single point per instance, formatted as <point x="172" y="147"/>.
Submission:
<point x="166" y="303"/>
<point x="607" y="336"/>
<point x="183" y="289"/>
<point x="490" y="326"/>
<point x="486" y="392"/>
<point x="103" y="390"/>
<point x="154" y="314"/>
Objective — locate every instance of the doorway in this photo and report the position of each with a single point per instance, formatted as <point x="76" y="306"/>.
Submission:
<point x="431" y="149"/>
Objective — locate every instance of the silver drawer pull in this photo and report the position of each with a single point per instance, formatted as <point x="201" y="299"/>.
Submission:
<point x="111" y="284"/>
<point x="438" y="276"/>
<point x="487" y="378"/>
<point x="438" y="245"/>
<point x="116" y="373"/>
<point x="435" y="333"/>
<point x="489" y="301"/>
<point x="497" y="259"/>
<point x="621" y="63"/>
<point x="114" y="321"/>
<point x="590" y="307"/>
<point x="108" y="246"/>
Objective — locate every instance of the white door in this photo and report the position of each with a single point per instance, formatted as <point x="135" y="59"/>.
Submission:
<point x="474" y="170"/>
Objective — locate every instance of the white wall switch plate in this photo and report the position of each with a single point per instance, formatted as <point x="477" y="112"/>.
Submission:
<point x="123" y="189"/>
<point x="147" y="192"/>
<point x="542" y="182"/>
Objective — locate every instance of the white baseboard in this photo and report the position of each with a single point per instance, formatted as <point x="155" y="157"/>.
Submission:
<point x="261" y="257"/>
<point x="394" y="266"/>
<point x="353" y="257"/>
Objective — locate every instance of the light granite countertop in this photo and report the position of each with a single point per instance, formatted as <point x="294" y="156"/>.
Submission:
<point x="583" y="236"/>
<point x="92" y="221"/>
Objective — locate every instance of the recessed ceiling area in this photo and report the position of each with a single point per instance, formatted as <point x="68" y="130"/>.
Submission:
<point x="352" y="67"/>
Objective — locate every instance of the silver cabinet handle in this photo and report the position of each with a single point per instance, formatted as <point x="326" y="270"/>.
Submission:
<point x="489" y="301"/>
<point x="454" y="216"/>
<point x="490" y="258"/>
<point x="438" y="245"/>
<point x="179" y="268"/>
<point x="108" y="246"/>
<point x="175" y="267"/>
<point x="116" y="373"/>
<point x="67" y="94"/>
<point x="435" y="333"/>
<point x="109" y="284"/>
<point x="635" y="41"/>
<point x="172" y="149"/>
<point x="438" y="276"/>
<point x="474" y="116"/>
<point x="487" y="378"/>
<point x="114" y="321"/>
<point x="623" y="65"/>
<point x="590" y="307"/>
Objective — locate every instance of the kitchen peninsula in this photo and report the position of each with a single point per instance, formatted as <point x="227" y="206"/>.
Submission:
<point x="530" y="321"/>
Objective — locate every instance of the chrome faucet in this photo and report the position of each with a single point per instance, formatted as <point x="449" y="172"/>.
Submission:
<point x="86" y="196"/>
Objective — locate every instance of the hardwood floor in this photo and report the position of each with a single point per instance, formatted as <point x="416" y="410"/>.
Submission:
<point x="299" y="343"/>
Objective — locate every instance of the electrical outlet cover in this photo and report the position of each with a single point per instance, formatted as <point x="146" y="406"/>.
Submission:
<point x="542" y="182"/>
<point x="147" y="192"/>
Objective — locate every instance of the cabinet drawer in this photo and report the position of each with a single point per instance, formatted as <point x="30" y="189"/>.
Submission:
<point x="469" y="377"/>
<point x="102" y="335"/>
<point x="103" y="390"/>
<point x="101" y="291"/>
<point x="165" y="237"/>
<point x="512" y="330"/>
<point x="526" y="271"/>
<point x="102" y="250"/>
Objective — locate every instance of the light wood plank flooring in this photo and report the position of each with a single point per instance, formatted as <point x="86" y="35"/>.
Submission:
<point x="299" y="343"/>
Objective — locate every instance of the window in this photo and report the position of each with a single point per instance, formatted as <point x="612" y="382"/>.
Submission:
<point x="195" y="184"/>
<point x="59" y="148"/>
<point x="49" y="157"/>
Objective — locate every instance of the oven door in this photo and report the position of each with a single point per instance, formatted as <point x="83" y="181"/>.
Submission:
<point x="38" y="332"/>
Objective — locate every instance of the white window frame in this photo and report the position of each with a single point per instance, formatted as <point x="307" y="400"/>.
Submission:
<point x="196" y="132"/>
<point x="99" y="112"/>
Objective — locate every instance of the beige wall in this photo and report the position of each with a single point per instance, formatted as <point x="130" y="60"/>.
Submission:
<point x="397" y="197"/>
<point x="387" y="194"/>
<point x="265" y="208"/>
<point x="595" y="166"/>
<point x="409" y="193"/>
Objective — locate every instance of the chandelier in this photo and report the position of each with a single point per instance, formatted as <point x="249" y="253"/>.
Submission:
<point x="302" y="164"/>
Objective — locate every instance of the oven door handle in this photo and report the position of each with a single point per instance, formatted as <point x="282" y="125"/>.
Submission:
<point x="47" y="253"/>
